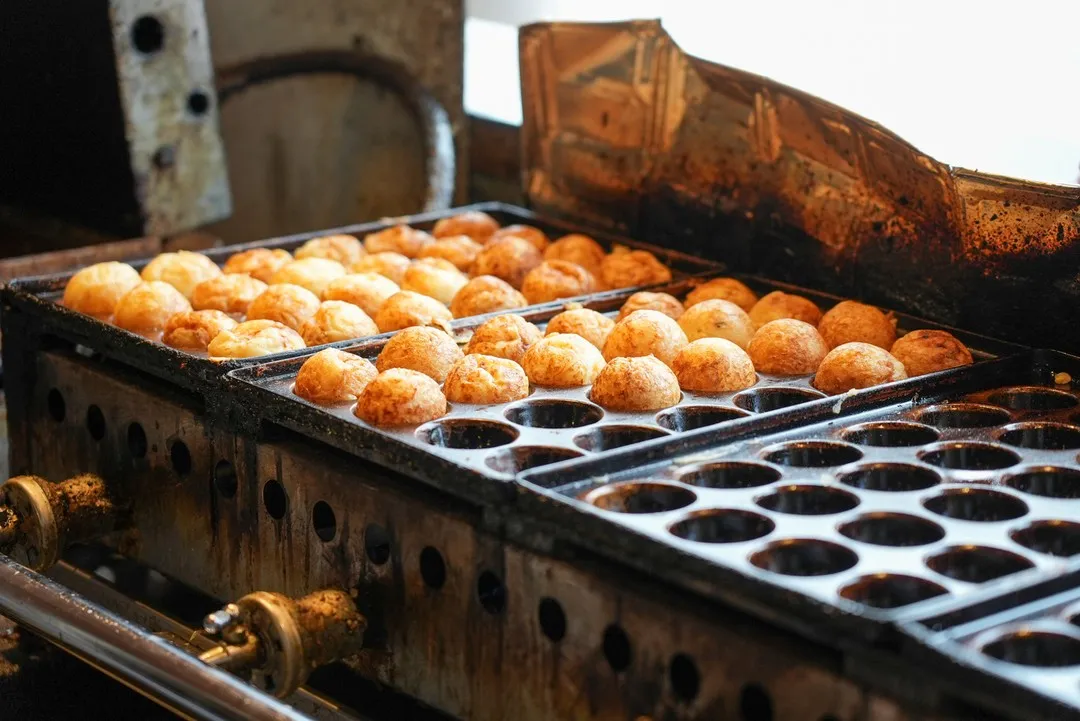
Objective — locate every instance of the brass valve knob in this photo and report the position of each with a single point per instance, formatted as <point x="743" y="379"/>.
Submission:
<point x="38" y="519"/>
<point x="277" y="641"/>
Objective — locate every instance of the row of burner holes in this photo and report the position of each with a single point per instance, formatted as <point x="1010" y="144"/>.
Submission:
<point x="755" y="703"/>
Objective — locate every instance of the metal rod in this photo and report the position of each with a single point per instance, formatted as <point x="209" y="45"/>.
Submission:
<point x="141" y="660"/>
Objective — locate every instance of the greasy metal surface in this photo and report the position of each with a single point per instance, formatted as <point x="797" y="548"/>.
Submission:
<point x="473" y="444"/>
<point x="795" y="511"/>
<point x="35" y="301"/>
<point x="166" y="80"/>
<point x="621" y="127"/>
<point x="130" y="654"/>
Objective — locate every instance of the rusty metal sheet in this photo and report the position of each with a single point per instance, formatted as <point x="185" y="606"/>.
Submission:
<point x="623" y="128"/>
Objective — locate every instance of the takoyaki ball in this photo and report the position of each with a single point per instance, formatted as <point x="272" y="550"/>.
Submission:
<point x="485" y="380"/>
<point x="475" y="224"/>
<point x="193" y="330"/>
<point x="554" y="279"/>
<point x="667" y="304"/>
<point x="485" y="294"/>
<point x="642" y="383"/>
<point x="406" y="309"/>
<point x="287" y="304"/>
<point x="435" y="278"/>
<point x="510" y="258"/>
<point x="425" y="350"/>
<point x="389" y="265"/>
<point x="96" y="289"/>
<point x="148" y="306"/>
<point x="645" y="332"/>
<point x="230" y="293"/>
<point x="628" y="268"/>
<point x="182" y="270"/>
<point x="590" y="325"/>
<point x="579" y="249"/>
<point x="367" y="291"/>
<point x="311" y="273"/>
<point x="534" y="235"/>
<point x="254" y="338"/>
<point x="929" y="351"/>
<point x="337" y="320"/>
<point x="400" y="397"/>
<point x="857" y="365"/>
<point x="717" y="319"/>
<point x="713" y="365"/>
<point x="345" y="249"/>
<point x="787" y="347"/>
<point x="504" y="336"/>
<point x="333" y="376"/>
<point x="728" y="289"/>
<point x="851" y="322"/>
<point x="562" y="360"/>
<point x="259" y="263"/>
<point x="461" y="250"/>
<point x="778" y="305"/>
<point x="399" y="239"/>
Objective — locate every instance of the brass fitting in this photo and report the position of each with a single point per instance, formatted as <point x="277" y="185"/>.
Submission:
<point x="277" y="641"/>
<point x="38" y="519"/>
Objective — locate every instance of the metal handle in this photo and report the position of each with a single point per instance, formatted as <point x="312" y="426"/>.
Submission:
<point x="141" y="660"/>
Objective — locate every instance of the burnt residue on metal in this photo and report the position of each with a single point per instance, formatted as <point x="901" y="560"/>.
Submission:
<point x="777" y="182"/>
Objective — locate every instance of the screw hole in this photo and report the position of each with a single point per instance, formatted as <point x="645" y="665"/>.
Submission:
<point x="275" y="500"/>
<point x="198" y="103"/>
<point x="617" y="648"/>
<point x="755" y="703"/>
<point x="164" y="157"/>
<point x="225" y="479"/>
<point x="377" y="544"/>
<point x="552" y="619"/>
<point x="57" y="406"/>
<point x="95" y="422"/>
<point x="180" y="457"/>
<point x="136" y="441"/>
<point x="432" y="568"/>
<point x="491" y="592"/>
<point x="684" y="676"/>
<point x="324" y="521"/>
<point x="148" y="35"/>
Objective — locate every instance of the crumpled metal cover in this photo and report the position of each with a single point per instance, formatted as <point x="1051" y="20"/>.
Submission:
<point x="623" y="129"/>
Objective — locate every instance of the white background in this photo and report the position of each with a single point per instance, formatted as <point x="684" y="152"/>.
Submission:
<point x="992" y="86"/>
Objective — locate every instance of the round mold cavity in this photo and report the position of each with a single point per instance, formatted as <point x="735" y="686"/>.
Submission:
<point x="730" y="474"/>
<point x="891" y="590"/>
<point x="893" y="434"/>
<point x="893" y="529"/>
<point x="1048" y="481"/>
<point x="890" y="477"/>
<point x="1041" y="436"/>
<point x="976" y="504"/>
<point x="687" y="418"/>
<point x="970" y="456"/>
<point x="1042" y="649"/>
<point x="812" y="454"/>
<point x="807" y="500"/>
<point x="723" y="525"/>
<point x="606" y="438"/>
<point x="964" y="415"/>
<point x="467" y="433"/>
<point x="554" y="414"/>
<point x="643" y="497"/>
<point x="1053" y="537"/>
<point x="1032" y="398"/>
<point x="804" y="557"/>
<point x="977" y="564"/>
<point x="521" y="458"/>
<point x="763" y="400"/>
